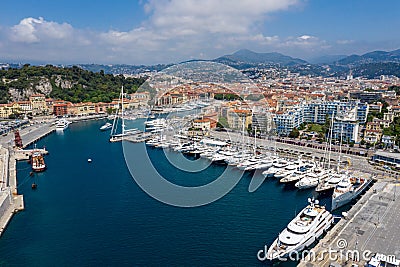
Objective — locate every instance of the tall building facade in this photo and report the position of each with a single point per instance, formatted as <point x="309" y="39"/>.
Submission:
<point x="319" y="112"/>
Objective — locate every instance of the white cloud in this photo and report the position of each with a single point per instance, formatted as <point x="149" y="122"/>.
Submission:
<point x="31" y="30"/>
<point x="190" y="28"/>
<point x="224" y="16"/>
<point x="174" y="30"/>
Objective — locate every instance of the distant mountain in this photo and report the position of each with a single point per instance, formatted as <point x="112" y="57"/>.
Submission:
<point x="375" y="70"/>
<point x="371" y="57"/>
<point x="247" y="58"/>
<point x="326" y="59"/>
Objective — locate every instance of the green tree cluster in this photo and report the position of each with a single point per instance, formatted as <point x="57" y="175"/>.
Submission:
<point x="87" y="86"/>
<point x="294" y="133"/>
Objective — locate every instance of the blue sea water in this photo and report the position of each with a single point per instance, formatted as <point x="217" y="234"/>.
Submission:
<point x="94" y="214"/>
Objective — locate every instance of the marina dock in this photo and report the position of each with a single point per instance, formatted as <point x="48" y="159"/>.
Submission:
<point x="369" y="227"/>
<point x="354" y="162"/>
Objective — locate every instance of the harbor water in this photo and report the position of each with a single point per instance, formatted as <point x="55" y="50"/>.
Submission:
<point x="94" y="214"/>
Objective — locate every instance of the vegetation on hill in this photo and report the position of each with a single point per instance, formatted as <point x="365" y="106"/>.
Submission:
<point x="393" y="129"/>
<point x="71" y="84"/>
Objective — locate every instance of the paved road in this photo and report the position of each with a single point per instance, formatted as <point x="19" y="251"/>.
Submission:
<point x="28" y="134"/>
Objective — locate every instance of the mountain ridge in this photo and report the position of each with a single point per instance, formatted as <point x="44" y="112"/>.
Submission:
<point x="251" y="57"/>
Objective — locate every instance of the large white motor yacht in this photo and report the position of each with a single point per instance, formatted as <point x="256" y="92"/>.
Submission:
<point x="302" y="231"/>
<point x="62" y="124"/>
<point x="347" y="190"/>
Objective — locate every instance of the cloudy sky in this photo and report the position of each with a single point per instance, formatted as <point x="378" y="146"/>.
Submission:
<point x="169" y="31"/>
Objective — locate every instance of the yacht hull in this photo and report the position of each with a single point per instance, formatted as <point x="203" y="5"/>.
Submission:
<point x="347" y="197"/>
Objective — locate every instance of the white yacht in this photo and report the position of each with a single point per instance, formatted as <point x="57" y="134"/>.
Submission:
<point x="295" y="176"/>
<point x="262" y="164"/>
<point x="312" y="179"/>
<point x="347" y="190"/>
<point x="221" y="156"/>
<point x="288" y="170"/>
<point x="302" y="231"/>
<point x="276" y="167"/>
<point x="249" y="162"/>
<point x="106" y="126"/>
<point x="330" y="183"/>
<point x="62" y="124"/>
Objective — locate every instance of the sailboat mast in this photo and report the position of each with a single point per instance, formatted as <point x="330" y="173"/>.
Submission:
<point x="122" y="111"/>
<point x="340" y="148"/>
<point x="330" y="141"/>
<point x="114" y="125"/>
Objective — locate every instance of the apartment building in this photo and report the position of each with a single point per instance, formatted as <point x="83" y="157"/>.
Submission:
<point x="239" y="117"/>
<point x="286" y="122"/>
<point x="346" y="126"/>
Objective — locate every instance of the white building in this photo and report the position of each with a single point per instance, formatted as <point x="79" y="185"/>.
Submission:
<point x="346" y="127"/>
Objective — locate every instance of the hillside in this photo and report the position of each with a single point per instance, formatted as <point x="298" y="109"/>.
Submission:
<point x="371" y="57"/>
<point x="246" y="58"/>
<point x="72" y="84"/>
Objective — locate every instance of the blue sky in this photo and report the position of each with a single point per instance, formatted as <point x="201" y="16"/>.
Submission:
<point x="164" y="31"/>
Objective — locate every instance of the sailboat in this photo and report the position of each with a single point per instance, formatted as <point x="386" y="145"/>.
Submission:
<point x="114" y="136"/>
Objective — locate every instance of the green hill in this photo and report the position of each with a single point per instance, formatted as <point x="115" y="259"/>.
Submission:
<point x="71" y="84"/>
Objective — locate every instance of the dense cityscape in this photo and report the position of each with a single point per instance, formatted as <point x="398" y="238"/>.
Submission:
<point x="200" y="133"/>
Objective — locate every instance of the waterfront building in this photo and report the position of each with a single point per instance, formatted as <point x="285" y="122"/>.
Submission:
<point x="82" y="109"/>
<point x="318" y="112"/>
<point x="25" y="106"/>
<point x="60" y="109"/>
<point x="102" y="107"/>
<point x="372" y="136"/>
<point x="286" y="122"/>
<point x="346" y="126"/>
<point x="213" y="118"/>
<point x="238" y="117"/>
<point x="5" y="110"/>
<point x="262" y="121"/>
<point x="39" y="105"/>
<point x="49" y="104"/>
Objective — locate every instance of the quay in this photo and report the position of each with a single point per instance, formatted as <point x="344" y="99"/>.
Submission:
<point x="10" y="201"/>
<point x="371" y="226"/>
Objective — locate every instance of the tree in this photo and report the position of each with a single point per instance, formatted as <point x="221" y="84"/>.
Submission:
<point x="110" y="111"/>
<point x="250" y="129"/>
<point x="222" y="122"/>
<point x="294" y="133"/>
<point x="302" y="126"/>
